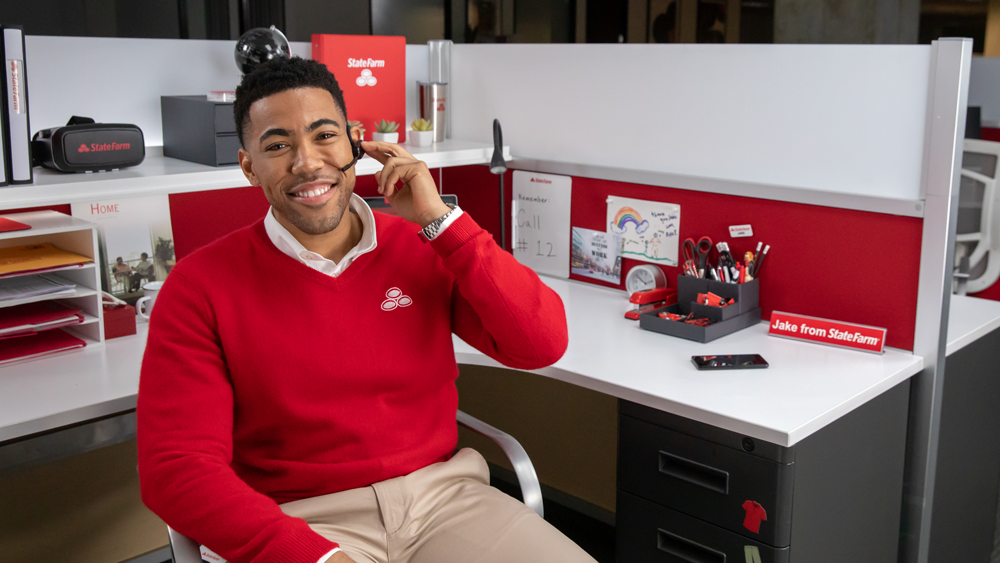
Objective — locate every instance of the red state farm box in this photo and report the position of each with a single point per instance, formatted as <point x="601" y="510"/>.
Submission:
<point x="371" y="70"/>
<point x="825" y="331"/>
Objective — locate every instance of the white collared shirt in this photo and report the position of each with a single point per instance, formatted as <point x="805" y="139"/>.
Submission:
<point x="287" y="244"/>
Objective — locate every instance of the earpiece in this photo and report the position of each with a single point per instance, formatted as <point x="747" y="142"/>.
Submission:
<point x="355" y="151"/>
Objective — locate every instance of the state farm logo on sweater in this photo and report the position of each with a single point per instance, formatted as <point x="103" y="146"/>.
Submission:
<point x="395" y="298"/>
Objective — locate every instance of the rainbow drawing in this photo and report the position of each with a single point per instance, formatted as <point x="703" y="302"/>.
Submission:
<point x="625" y="216"/>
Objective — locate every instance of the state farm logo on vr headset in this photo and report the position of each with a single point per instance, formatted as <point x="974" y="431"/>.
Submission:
<point x="101" y="147"/>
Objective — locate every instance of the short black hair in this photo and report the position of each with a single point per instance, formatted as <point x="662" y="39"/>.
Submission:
<point x="278" y="75"/>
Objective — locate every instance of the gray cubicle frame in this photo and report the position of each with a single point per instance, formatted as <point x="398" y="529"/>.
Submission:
<point x="942" y="163"/>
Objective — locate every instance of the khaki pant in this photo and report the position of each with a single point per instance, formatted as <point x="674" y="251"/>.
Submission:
<point x="443" y="513"/>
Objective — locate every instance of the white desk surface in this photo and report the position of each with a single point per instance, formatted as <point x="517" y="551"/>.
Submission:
<point x="72" y="387"/>
<point x="162" y="175"/>
<point x="806" y="387"/>
<point x="970" y="319"/>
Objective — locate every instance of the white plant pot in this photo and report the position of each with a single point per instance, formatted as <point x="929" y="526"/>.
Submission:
<point x="385" y="137"/>
<point x="421" y="138"/>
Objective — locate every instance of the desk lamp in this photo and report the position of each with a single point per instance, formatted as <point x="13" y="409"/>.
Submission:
<point x="499" y="166"/>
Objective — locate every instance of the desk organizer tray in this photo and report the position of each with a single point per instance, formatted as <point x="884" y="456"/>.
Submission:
<point x="745" y="312"/>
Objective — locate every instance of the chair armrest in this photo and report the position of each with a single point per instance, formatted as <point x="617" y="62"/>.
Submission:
<point x="185" y="549"/>
<point x="531" y="490"/>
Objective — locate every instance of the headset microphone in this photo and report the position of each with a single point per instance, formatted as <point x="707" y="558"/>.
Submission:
<point x="355" y="151"/>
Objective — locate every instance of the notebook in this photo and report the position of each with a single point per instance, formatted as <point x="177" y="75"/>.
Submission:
<point x="41" y="344"/>
<point x="32" y="318"/>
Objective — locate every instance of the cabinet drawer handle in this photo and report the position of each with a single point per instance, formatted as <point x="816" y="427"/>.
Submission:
<point x="695" y="473"/>
<point x="687" y="550"/>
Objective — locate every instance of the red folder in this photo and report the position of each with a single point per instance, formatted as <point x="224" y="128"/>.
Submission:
<point x="371" y="70"/>
<point x="9" y="225"/>
<point x="32" y="318"/>
<point x="41" y="344"/>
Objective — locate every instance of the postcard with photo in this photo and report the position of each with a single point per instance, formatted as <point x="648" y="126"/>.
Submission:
<point x="597" y="255"/>
<point x="136" y="241"/>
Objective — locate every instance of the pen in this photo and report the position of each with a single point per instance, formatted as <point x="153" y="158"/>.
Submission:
<point x="760" y="261"/>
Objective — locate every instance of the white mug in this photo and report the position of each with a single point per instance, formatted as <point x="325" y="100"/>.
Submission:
<point x="150" y="289"/>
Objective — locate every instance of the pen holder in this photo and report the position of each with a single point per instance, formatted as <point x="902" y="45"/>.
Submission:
<point x="745" y="312"/>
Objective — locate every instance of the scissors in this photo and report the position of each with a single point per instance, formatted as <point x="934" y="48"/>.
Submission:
<point x="698" y="253"/>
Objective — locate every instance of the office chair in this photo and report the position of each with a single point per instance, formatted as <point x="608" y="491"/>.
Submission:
<point x="978" y="229"/>
<point x="186" y="550"/>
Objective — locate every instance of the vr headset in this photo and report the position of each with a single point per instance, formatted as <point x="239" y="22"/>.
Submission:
<point x="84" y="146"/>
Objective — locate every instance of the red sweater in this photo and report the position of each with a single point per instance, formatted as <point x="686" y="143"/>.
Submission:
<point x="265" y="381"/>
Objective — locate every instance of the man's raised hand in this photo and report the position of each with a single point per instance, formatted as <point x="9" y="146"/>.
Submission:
<point x="417" y="199"/>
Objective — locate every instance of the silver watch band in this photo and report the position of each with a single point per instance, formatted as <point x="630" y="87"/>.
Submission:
<point x="431" y="231"/>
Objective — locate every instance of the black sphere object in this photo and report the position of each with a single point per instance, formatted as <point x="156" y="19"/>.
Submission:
<point x="259" y="45"/>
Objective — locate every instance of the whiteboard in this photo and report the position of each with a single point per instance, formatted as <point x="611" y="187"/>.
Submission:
<point x="838" y="118"/>
<point x="540" y="227"/>
<point x="648" y="229"/>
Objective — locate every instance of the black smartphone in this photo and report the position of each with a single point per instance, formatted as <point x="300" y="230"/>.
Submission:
<point x="738" y="361"/>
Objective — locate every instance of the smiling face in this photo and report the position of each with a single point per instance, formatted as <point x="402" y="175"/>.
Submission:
<point x="296" y="144"/>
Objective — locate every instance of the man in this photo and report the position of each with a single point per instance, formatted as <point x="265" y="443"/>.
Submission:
<point x="143" y="271"/>
<point x="299" y="404"/>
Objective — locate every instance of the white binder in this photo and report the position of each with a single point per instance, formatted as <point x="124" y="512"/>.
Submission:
<point x="17" y="106"/>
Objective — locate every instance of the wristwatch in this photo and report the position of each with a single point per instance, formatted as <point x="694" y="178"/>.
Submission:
<point x="428" y="233"/>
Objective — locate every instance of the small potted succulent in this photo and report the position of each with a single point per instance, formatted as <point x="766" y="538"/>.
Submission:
<point x="385" y="131"/>
<point x="422" y="134"/>
<point x="356" y="125"/>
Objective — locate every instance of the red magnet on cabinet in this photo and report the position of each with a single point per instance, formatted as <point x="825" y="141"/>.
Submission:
<point x="755" y="513"/>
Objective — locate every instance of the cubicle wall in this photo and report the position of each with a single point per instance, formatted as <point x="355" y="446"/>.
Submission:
<point x="843" y="158"/>
<point x="984" y="89"/>
<point x="841" y="118"/>
<point x="134" y="73"/>
<point x="824" y="262"/>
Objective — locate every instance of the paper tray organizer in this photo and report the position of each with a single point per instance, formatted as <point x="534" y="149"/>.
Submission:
<point x="743" y="313"/>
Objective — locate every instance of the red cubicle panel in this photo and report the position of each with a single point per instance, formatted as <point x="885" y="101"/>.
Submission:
<point x="853" y="266"/>
<point x="199" y="218"/>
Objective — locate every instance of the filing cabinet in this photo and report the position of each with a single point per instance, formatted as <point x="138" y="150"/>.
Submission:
<point x="199" y="130"/>
<point x="689" y="492"/>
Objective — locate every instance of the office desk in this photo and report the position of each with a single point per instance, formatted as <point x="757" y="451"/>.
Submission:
<point x="807" y="390"/>
<point x="963" y="520"/>
<point x="821" y="433"/>
<point x="607" y="353"/>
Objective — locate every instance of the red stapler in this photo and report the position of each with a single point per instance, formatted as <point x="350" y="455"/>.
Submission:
<point x="650" y="299"/>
